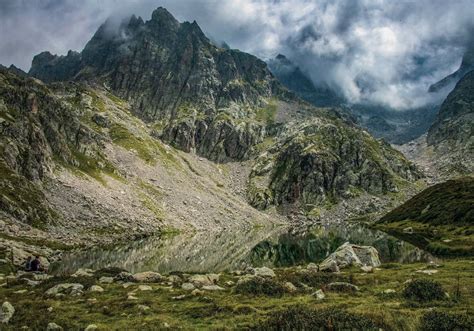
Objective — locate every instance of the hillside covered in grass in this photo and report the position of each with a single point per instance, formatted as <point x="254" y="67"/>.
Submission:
<point x="440" y="218"/>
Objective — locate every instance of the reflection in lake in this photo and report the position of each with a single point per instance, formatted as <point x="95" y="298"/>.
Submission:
<point x="235" y="247"/>
<point x="300" y="246"/>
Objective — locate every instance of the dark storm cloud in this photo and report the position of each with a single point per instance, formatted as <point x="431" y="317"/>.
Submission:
<point x="376" y="51"/>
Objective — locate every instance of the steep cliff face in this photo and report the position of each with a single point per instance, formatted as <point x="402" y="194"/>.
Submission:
<point x="225" y="105"/>
<point x="452" y="134"/>
<point x="320" y="162"/>
<point x="78" y="167"/>
<point x="454" y="124"/>
<point x="448" y="82"/>
<point x="36" y="128"/>
<point x="170" y="73"/>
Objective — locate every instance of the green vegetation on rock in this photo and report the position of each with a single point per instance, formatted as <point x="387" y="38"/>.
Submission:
<point x="440" y="218"/>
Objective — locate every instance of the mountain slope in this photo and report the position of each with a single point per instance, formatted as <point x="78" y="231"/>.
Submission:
<point x="452" y="134"/>
<point x="467" y="65"/>
<point x="320" y="162"/>
<point x="82" y="164"/>
<point x="174" y="76"/>
<point x="78" y="168"/>
<point x="441" y="218"/>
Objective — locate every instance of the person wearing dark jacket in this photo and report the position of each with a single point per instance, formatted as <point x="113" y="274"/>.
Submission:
<point x="36" y="264"/>
<point x="28" y="264"/>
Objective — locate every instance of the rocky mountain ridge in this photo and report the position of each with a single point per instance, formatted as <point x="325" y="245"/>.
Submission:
<point x="114" y="140"/>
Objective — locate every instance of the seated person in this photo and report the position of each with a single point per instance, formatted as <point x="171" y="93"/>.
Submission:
<point x="28" y="264"/>
<point x="36" y="265"/>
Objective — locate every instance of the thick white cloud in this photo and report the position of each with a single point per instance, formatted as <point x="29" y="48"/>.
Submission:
<point x="376" y="51"/>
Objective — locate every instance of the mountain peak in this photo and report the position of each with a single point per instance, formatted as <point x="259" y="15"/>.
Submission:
<point x="163" y="17"/>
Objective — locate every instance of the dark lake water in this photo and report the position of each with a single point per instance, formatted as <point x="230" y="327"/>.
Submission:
<point x="235" y="248"/>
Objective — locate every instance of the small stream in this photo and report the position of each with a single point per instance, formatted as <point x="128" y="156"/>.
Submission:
<point x="235" y="247"/>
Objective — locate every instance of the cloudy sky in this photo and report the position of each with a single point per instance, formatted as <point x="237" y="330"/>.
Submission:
<point x="377" y="51"/>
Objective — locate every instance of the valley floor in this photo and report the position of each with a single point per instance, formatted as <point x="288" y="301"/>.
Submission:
<point x="379" y="302"/>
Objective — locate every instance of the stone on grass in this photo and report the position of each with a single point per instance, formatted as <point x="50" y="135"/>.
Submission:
<point x="197" y="292"/>
<point x="91" y="327"/>
<point x="145" y="288"/>
<point x="188" y="286"/>
<point x="6" y="312"/>
<point x="53" y="327"/>
<point x="212" y="288"/>
<point x="124" y="276"/>
<point x="408" y="230"/>
<point x="143" y="308"/>
<point x="148" y="277"/>
<point x="106" y="280"/>
<point x="427" y="272"/>
<point x="132" y="297"/>
<point x="312" y="267"/>
<point x="174" y="279"/>
<point x="319" y="295"/>
<point x="264" y="272"/>
<point x="41" y="277"/>
<point x="72" y="289"/>
<point x="367" y="268"/>
<point x="389" y="291"/>
<point x="289" y="287"/>
<point x="83" y="273"/>
<point x="342" y="287"/>
<point x="96" y="288"/>
<point x="204" y="280"/>
<point x="179" y="297"/>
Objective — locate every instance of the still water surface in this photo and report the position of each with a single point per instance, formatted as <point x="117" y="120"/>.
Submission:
<point x="235" y="248"/>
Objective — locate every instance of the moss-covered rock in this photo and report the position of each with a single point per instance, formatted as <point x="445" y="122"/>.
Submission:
<point x="320" y="161"/>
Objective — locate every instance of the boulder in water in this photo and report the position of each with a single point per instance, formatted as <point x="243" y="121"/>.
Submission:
<point x="351" y="255"/>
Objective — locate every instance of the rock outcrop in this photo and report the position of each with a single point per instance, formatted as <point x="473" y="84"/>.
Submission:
<point x="452" y="134"/>
<point x="319" y="162"/>
<point x="36" y="129"/>
<point x="351" y="255"/>
<point x="467" y="65"/>
<point x="171" y="73"/>
<point x="6" y="312"/>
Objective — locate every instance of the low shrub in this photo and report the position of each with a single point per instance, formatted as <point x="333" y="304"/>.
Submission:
<point x="303" y="318"/>
<point x="260" y="286"/>
<point x="441" y="321"/>
<point x="86" y="281"/>
<point x="424" y="290"/>
<point x="108" y="272"/>
<point x="391" y="266"/>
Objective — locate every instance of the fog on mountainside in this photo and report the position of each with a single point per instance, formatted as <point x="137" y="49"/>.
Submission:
<point x="380" y="53"/>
